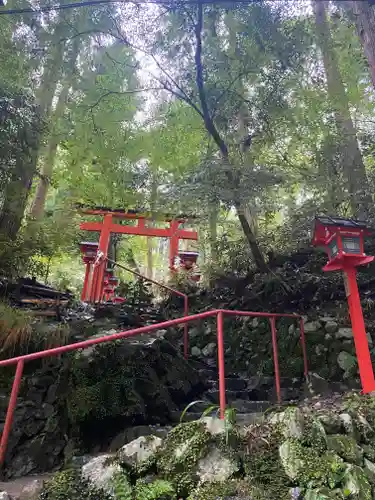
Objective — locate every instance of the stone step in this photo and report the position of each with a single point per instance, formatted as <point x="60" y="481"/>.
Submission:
<point x="241" y="405"/>
<point x="241" y="418"/>
<point x="214" y="395"/>
<point x="212" y="374"/>
<point x="240" y="384"/>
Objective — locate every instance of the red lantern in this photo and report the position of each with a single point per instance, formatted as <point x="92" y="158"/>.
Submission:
<point x="343" y="240"/>
<point x="187" y="257"/>
<point x="89" y="250"/>
<point x="188" y="263"/>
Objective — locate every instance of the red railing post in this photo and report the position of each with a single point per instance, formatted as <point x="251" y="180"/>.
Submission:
<point x="303" y="345"/>
<point x="10" y="412"/>
<point x="221" y="365"/>
<point x="275" y="358"/>
<point x="219" y="313"/>
<point x="186" y="328"/>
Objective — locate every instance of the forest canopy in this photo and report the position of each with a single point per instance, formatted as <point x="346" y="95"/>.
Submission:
<point x="253" y="116"/>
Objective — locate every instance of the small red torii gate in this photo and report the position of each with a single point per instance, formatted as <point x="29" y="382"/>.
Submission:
<point x="93" y="288"/>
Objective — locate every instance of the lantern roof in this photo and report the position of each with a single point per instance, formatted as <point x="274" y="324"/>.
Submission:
<point x="93" y="244"/>
<point x="326" y="226"/>
<point x="340" y="221"/>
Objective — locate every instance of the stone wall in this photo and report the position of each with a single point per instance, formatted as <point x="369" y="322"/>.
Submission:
<point x="83" y="400"/>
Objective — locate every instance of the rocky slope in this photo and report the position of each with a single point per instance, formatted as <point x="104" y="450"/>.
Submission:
<point x="321" y="449"/>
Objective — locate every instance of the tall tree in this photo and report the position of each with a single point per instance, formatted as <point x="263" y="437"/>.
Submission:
<point x="21" y="128"/>
<point x="364" y="16"/>
<point x="205" y="79"/>
<point x="351" y="157"/>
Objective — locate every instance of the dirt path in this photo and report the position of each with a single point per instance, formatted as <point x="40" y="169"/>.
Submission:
<point x="15" y="487"/>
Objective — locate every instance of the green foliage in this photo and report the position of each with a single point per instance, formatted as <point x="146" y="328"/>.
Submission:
<point x="69" y="485"/>
<point x="230" y="415"/>
<point x="103" y="388"/>
<point x="263" y="80"/>
<point x="122" y="487"/>
<point x="213" y="491"/>
<point x="15" y="329"/>
<point x="158" y="489"/>
<point x="180" y="468"/>
<point x="20" y="333"/>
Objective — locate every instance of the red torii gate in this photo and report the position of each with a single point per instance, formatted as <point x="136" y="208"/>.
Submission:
<point x="107" y="226"/>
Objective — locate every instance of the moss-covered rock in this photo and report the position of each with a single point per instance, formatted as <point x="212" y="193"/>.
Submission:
<point x="292" y="423"/>
<point x="331" y="422"/>
<point x="69" y="485"/>
<point x="324" y="494"/>
<point x="291" y="454"/>
<point x="191" y="455"/>
<point x="346" y="447"/>
<point x="213" y="491"/>
<point x="287" y="455"/>
<point x="356" y="484"/>
<point x="263" y="466"/>
<point x="309" y="467"/>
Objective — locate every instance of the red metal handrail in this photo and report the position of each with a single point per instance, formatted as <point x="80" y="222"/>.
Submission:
<point x="166" y="287"/>
<point x="219" y="313"/>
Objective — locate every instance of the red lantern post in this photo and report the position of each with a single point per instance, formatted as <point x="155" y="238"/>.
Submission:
<point x="343" y="240"/>
<point x="89" y="250"/>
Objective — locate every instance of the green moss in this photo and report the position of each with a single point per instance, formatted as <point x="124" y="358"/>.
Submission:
<point x="346" y="447"/>
<point x="177" y="461"/>
<point x="314" y="434"/>
<point x="369" y="452"/>
<point x="263" y="466"/>
<point x="215" y="491"/>
<point x="69" y="485"/>
<point x="321" y="470"/>
<point x="324" y="494"/>
<point x="309" y="467"/>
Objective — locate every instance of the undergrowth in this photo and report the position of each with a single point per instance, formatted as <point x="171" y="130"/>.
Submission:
<point x="15" y="329"/>
<point x="20" y="334"/>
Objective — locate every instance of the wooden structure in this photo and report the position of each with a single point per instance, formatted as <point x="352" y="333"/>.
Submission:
<point x="94" y="284"/>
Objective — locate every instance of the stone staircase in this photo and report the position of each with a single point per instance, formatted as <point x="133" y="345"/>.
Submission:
<point x="249" y="396"/>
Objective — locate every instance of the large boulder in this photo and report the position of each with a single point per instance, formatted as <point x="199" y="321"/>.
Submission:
<point x="356" y="484"/>
<point x="346" y="447"/>
<point x="100" y="472"/>
<point x="138" y="450"/>
<point x="287" y="455"/>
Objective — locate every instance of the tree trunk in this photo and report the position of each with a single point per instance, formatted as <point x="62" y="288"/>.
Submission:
<point x="220" y="143"/>
<point x="365" y="22"/>
<point x="213" y="231"/>
<point x="255" y="250"/>
<point x="15" y="198"/>
<point x="130" y="259"/>
<point x="352" y="162"/>
<point x="39" y="201"/>
<point x="46" y="96"/>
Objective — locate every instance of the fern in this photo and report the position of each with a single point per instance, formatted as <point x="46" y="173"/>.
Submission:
<point x="157" y="490"/>
<point x="122" y="487"/>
